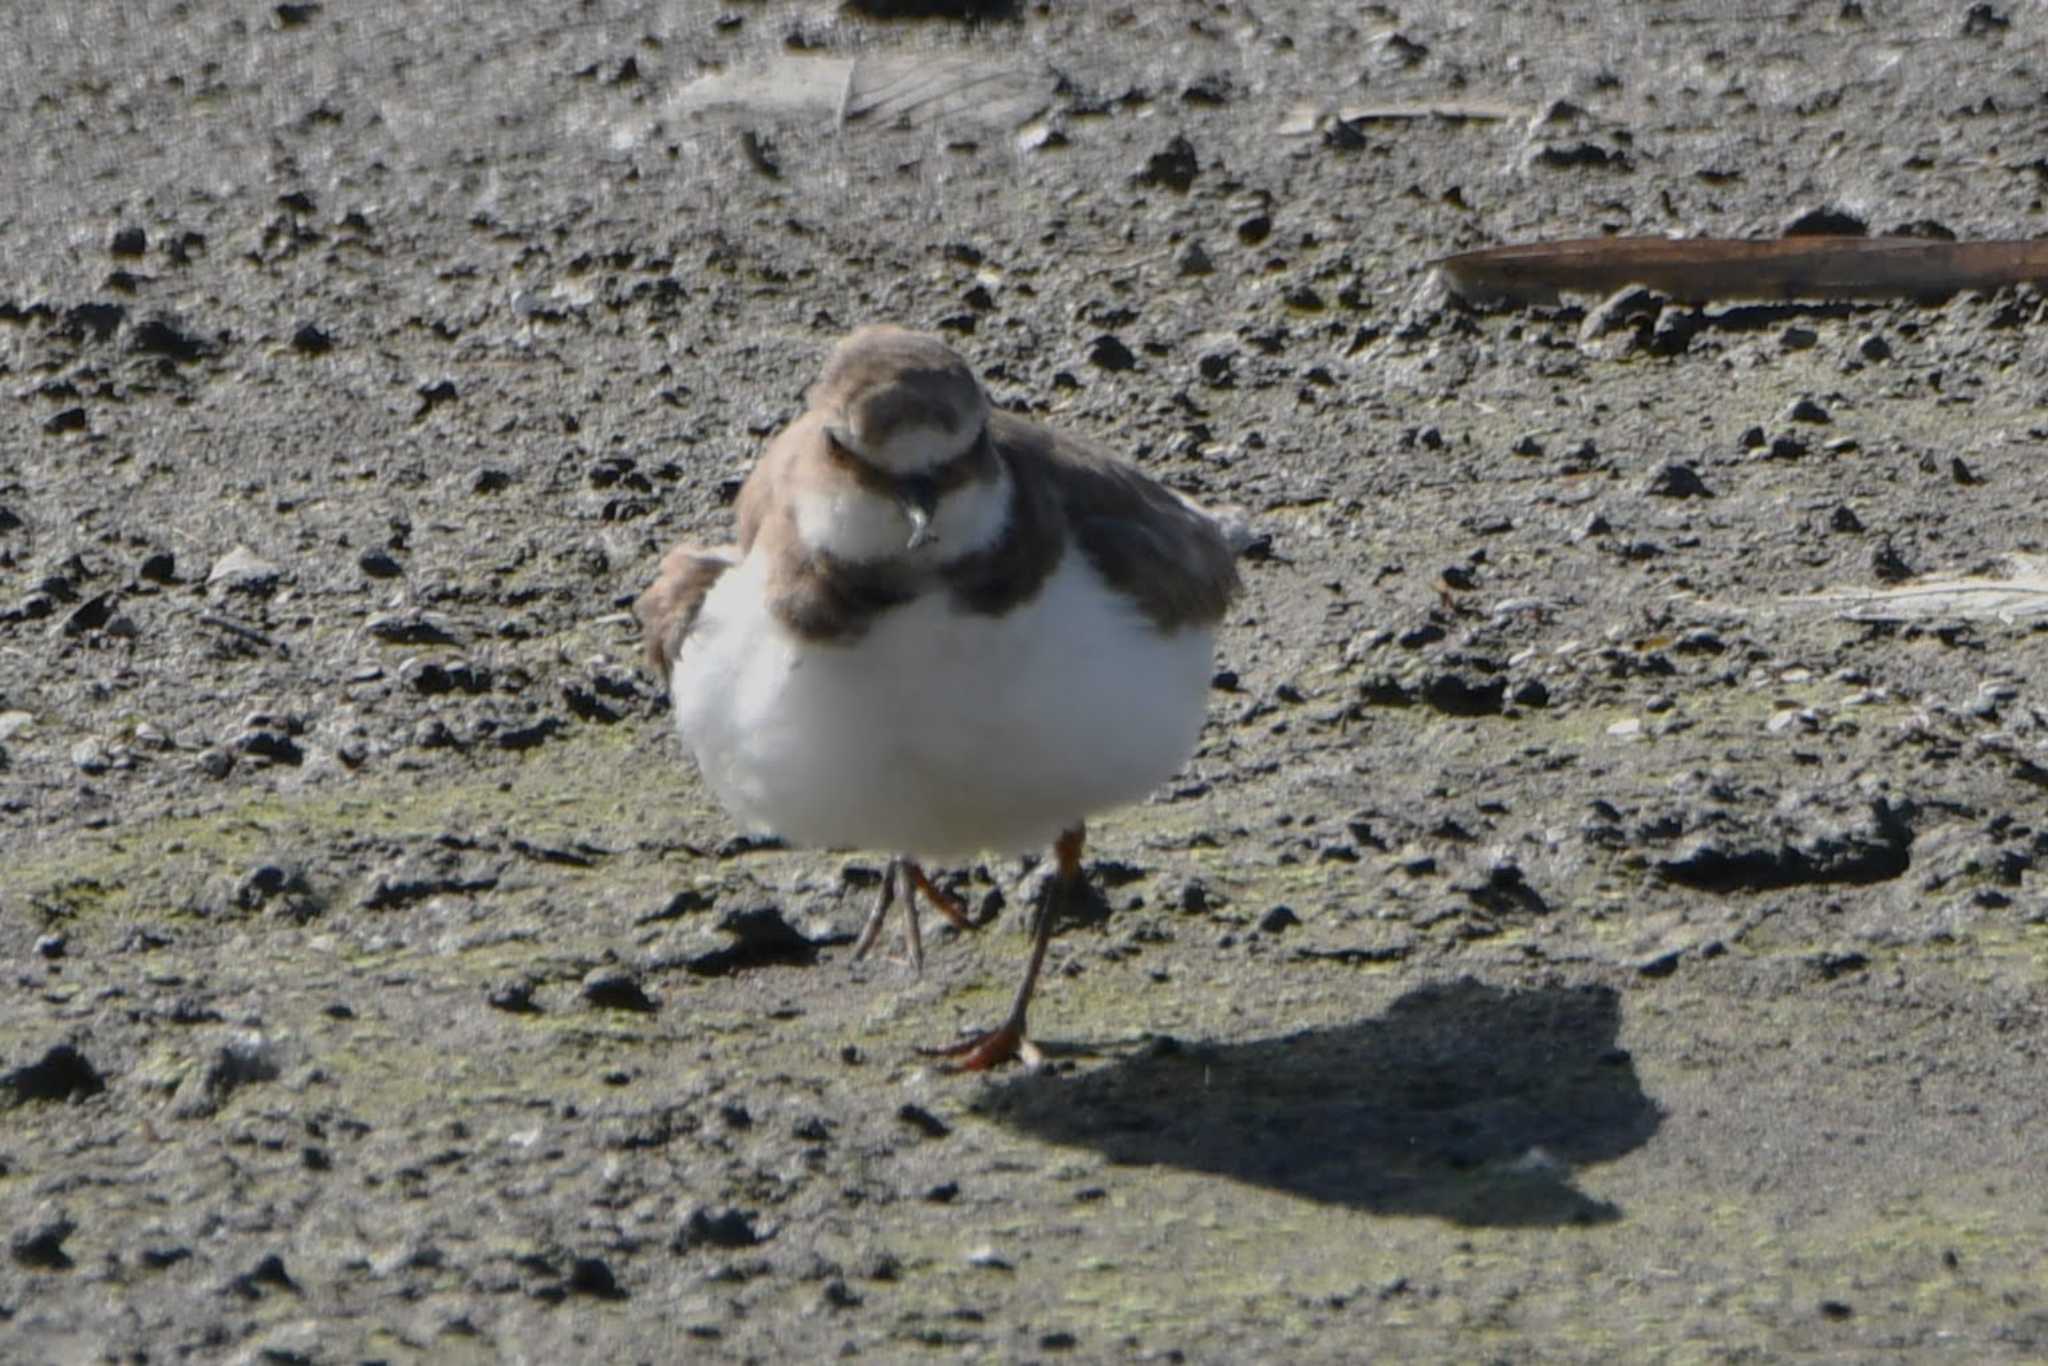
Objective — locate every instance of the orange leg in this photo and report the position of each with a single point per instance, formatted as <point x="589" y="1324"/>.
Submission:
<point x="1006" y="1041"/>
<point x="943" y="901"/>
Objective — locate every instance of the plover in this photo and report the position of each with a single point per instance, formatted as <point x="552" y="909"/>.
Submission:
<point x="944" y="630"/>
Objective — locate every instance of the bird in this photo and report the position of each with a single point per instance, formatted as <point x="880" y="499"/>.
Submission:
<point x="944" y="629"/>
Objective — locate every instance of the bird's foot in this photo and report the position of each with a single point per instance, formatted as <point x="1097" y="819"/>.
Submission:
<point x="992" y="1048"/>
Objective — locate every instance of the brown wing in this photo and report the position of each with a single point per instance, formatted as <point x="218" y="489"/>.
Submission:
<point x="669" y="607"/>
<point x="1147" y="541"/>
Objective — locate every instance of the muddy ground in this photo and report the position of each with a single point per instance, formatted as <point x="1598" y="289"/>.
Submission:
<point x="1577" y="938"/>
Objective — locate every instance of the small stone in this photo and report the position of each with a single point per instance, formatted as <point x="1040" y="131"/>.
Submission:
<point x="1806" y="410"/>
<point x="89" y="756"/>
<point x="272" y="745"/>
<point x="1663" y="965"/>
<point x="1786" y="719"/>
<point x="1798" y="339"/>
<point x="61" y="1074"/>
<point x="242" y="570"/>
<point x="379" y="564"/>
<point x="51" y="946"/>
<point x="1278" y="918"/>
<point x="1677" y="481"/>
<point x="1173" y="166"/>
<point x="128" y="241"/>
<point x="593" y="1276"/>
<point x="39" y="1244"/>
<point x="1874" y="348"/>
<point x="727" y="1228"/>
<point x="615" y="988"/>
<point x="761" y="938"/>
<point x="1889" y="565"/>
<point x="514" y="997"/>
<point x="309" y="340"/>
<point x="923" y="1120"/>
<point x="1109" y="353"/>
<point x="1630" y="728"/>
<point x="1194" y="261"/>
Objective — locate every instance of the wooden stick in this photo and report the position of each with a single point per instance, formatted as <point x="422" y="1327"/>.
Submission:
<point x="1699" y="269"/>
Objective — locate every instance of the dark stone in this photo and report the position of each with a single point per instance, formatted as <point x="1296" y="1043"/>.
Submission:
<point x="62" y="1073"/>
<point x="272" y="745"/>
<point x="1663" y="965"/>
<point x="1453" y="695"/>
<point x="617" y="989"/>
<point x="310" y="340"/>
<point x="1282" y="917"/>
<point x="161" y="337"/>
<point x="761" y="937"/>
<point x="90" y="615"/>
<point x="1109" y="353"/>
<point x="593" y="1276"/>
<point x="379" y="565"/>
<point x="922" y="1120"/>
<point x="585" y="705"/>
<point x="1889" y="565"/>
<point x="1173" y="166"/>
<point x="40" y="1246"/>
<point x="727" y="1228"/>
<point x="528" y="736"/>
<point x="1878" y="851"/>
<point x="1827" y="222"/>
<point x="1678" y="481"/>
<point x="1584" y="154"/>
<point x="514" y="997"/>
<point x="976" y="11"/>
<point x="98" y="320"/>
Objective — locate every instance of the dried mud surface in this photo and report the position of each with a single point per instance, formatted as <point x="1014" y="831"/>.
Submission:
<point x="1567" y="944"/>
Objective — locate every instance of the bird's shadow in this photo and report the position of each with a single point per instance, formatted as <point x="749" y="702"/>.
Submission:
<point x="1467" y="1102"/>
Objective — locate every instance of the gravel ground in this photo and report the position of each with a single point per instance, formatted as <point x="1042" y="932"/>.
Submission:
<point x="1604" y="919"/>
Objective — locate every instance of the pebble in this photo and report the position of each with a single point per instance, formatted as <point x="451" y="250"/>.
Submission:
<point x="242" y="570"/>
<point x="40" y="1242"/>
<point x="612" y="988"/>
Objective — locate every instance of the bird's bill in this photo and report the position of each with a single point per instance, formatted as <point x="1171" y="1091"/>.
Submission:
<point x="919" y="498"/>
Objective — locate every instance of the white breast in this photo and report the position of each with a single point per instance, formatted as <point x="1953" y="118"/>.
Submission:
<point x="939" y="733"/>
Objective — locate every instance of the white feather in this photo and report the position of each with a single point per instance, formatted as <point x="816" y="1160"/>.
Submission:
<point x="852" y="524"/>
<point x="939" y="733"/>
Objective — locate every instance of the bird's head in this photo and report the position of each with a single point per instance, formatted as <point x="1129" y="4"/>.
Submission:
<point x="906" y="451"/>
